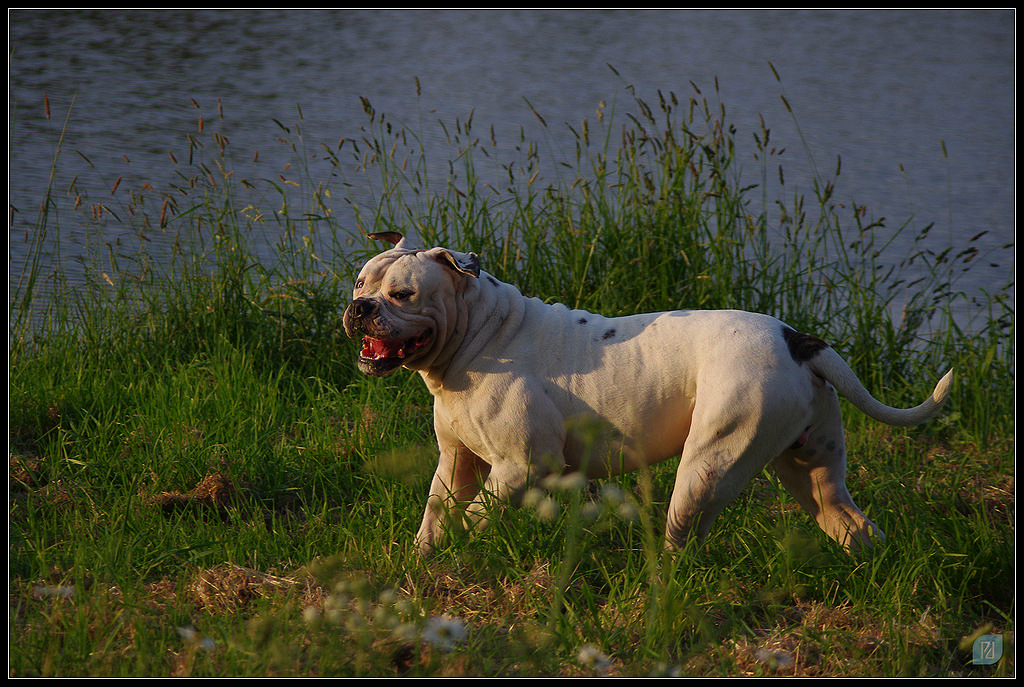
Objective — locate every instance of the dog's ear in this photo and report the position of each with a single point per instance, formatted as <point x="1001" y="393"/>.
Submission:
<point x="466" y="263"/>
<point x="395" y="238"/>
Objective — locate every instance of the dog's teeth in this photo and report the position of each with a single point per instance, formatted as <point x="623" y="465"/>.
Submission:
<point x="381" y="349"/>
<point x="376" y="349"/>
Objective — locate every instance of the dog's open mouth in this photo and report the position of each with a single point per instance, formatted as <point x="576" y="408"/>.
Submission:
<point x="380" y="356"/>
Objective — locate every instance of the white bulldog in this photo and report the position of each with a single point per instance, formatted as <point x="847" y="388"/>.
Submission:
<point x="519" y="386"/>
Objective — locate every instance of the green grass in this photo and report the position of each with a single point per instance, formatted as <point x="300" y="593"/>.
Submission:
<point x="202" y="484"/>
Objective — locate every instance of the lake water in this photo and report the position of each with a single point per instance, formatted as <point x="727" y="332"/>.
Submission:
<point x="918" y="105"/>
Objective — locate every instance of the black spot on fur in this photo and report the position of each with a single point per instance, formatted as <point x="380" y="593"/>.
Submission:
<point x="494" y="282"/>
<point x="582" y="320"/>
<point x="608" y="334"/>
<point x="802" y="347"/>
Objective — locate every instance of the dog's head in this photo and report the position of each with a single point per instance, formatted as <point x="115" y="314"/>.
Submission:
<point x="402" y="304"/>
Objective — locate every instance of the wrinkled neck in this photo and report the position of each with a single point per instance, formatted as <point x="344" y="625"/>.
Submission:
<point x="488" y="312"/>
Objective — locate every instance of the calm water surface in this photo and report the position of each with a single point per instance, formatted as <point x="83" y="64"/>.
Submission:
<point x="919" y="106"/>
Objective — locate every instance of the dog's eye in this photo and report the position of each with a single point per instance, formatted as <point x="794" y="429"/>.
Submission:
<point x="401" y="295"/>
<point x="359" y="283"/>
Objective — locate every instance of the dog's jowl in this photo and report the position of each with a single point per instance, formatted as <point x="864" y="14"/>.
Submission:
<point x="515" y="379"/>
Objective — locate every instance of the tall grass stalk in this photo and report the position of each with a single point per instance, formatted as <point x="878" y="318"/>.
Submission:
<point x="202" y="484"/>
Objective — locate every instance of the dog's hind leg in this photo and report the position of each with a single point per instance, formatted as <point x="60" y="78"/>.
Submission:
<point x="716" y="465"/>
<point x="813" y="470"/>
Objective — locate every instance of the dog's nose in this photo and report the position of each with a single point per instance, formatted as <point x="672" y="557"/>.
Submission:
<point x="360" y="308"/>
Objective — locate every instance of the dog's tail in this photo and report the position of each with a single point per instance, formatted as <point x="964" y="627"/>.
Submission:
<point x="828" y="364"/>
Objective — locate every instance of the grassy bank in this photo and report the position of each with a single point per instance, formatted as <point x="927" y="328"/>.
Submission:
<point x="202" y="484"/>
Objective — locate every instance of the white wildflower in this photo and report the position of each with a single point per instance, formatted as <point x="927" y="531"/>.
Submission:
<point x="627" y="511"/>
<point x="404" y="608"/>
<point x="310" y="614"/>
<point x="575" y="481"/>
<point x="775" y="660"/>
<point x="532" y="497"/>
<point x="547" y="509"/>
<point x="590" y="512"/>
<point x="385" y="616"/>
<point x="612" y="495"/>
<point x="662" y="669"/>
<point x="192" y="636"/>
<point x="551" y="482"/>
<point x="445" y="631"/>
<point x="593" y="658"/>
<point x="405" y="631"/>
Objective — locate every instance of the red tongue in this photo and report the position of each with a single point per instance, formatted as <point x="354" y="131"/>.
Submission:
<point x="382" y="348"/>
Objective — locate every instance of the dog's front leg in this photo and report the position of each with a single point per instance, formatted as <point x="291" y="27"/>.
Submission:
<point x="523" y="440"/>
<point x="456" y="482"/>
